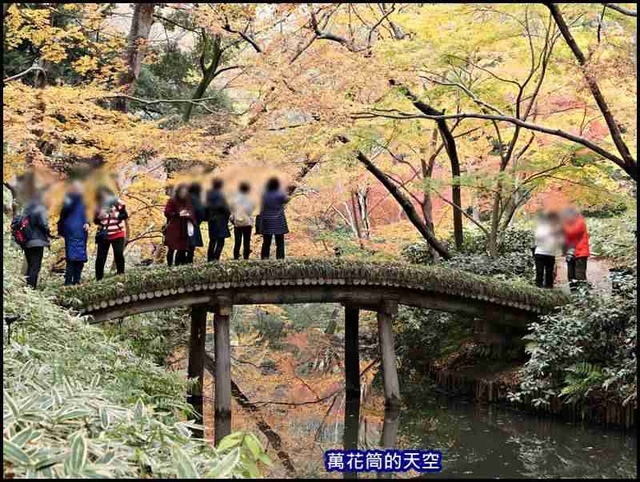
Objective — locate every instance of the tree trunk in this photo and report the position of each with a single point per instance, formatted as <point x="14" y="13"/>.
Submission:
<point x="208" y="73"/>
<point x="356" y="222"/>
<point x="363" y="209"/>
<point x="427" y="172"/>
<point x="404" y="203"/>
<point x="454" y="160"/>
<point x="136" y="49"/>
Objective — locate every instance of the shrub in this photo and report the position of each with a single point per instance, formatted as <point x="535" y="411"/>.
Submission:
<point x="588" y="345"/>
<point x="79" y="403"/>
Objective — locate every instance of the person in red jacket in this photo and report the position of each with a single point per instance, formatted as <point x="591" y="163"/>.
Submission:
<point x="181" y="222"/>
<point x="576" y="240"/>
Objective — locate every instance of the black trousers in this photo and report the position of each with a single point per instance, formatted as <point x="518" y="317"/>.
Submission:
<point x="577" y="273"/>
<point x="103" y="251"/>
<point x="215" y="249"/>
<point x="181" y="257"/>
<point x="577" y="269"/>
<point x="544" y="270"/>
<point x="266" y="246"/>
<point x="73" y="272"/>
<point x="34" y="263"/>
<point x="241" y="238"/>
<point x="190" y="255"/>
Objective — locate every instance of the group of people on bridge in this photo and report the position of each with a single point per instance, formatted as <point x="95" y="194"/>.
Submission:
<point x="185" y="212"/>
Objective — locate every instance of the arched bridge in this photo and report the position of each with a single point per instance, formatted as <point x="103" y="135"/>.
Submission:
<point x="375" y="286"/>
<point x="365" y="284"/>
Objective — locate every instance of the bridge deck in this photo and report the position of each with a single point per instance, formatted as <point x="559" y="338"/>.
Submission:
<point x="309" y="280"/>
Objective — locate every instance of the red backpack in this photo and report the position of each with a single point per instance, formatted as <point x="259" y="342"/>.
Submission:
<point x="21" y="229"/>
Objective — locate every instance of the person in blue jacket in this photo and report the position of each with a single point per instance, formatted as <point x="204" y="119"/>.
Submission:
<point x="73" y="226"/>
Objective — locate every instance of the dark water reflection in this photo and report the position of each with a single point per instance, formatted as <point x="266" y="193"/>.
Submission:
<point x="494" y="442"/>
<point x="489" y="441"/>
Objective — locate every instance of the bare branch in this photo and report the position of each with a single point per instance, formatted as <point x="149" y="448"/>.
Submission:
<point x="621" y="9"/>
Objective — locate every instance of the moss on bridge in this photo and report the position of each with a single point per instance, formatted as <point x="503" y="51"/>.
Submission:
<point x="293" y="271"/>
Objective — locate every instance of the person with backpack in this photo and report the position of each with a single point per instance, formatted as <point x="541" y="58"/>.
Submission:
<point x="31" y="231"/>
<point x="218" y="214"/>
<point x="242" y="207"/>
<point x="180" y="223"/>
<point x="73" y="226"/>
<point x="110" y="216"/>
<point x="195" y="240"/>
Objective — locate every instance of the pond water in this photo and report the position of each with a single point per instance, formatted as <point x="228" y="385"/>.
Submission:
<point x="476" y="441"/>
<point x="490" y="441"/>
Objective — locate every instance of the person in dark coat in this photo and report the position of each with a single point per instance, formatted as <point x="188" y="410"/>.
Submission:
<point x="170" y="191"/>
<point x="39" y="235"/>
<point x="218" y="214"/>
<point x="73" y="226"/>
<point x="195" y="241"/>
<point x="180" y="223"/>
<point x="273" y="223"/>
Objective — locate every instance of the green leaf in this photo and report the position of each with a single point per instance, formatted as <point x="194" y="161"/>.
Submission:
<point x="14" y="454"/>
<point x="226" y="465"/>
<point x="264" y="458"/>
<point x="230" y="441"/>
<point x="12" y="406"/>
<point x="138" y="410"/>
<point x="72" y="414"/>
<point x="253" y="444"/>
<point x="78" y="457"/>
<point x="21" y="438"/>
<point x="184" y="465"/>
<point x="104" y="418"/>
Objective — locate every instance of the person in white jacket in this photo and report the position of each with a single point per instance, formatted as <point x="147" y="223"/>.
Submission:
<point x="242" y="207"/>
<point x="548" y="245"/>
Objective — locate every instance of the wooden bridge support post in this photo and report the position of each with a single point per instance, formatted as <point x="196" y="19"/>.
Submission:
<point x="351" y="428"/>
<point x="196" y="361"/>
<point x="223" y="373"/>
<point x="386" y="314"/>
<point x="351" y="352"/>
<point x="389" y="437"/>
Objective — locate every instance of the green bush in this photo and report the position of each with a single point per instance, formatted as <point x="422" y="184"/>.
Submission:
<point x="80" y="403"/>
<point x="588" y="345"/>
<point x="614" y="238"/>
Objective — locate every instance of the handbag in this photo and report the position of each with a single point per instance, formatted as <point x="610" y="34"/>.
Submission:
<point x="259" y="224"/>
<point x="101" y="235"/>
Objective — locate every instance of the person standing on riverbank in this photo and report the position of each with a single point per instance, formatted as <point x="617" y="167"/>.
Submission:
<point x="576" y="240"/>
